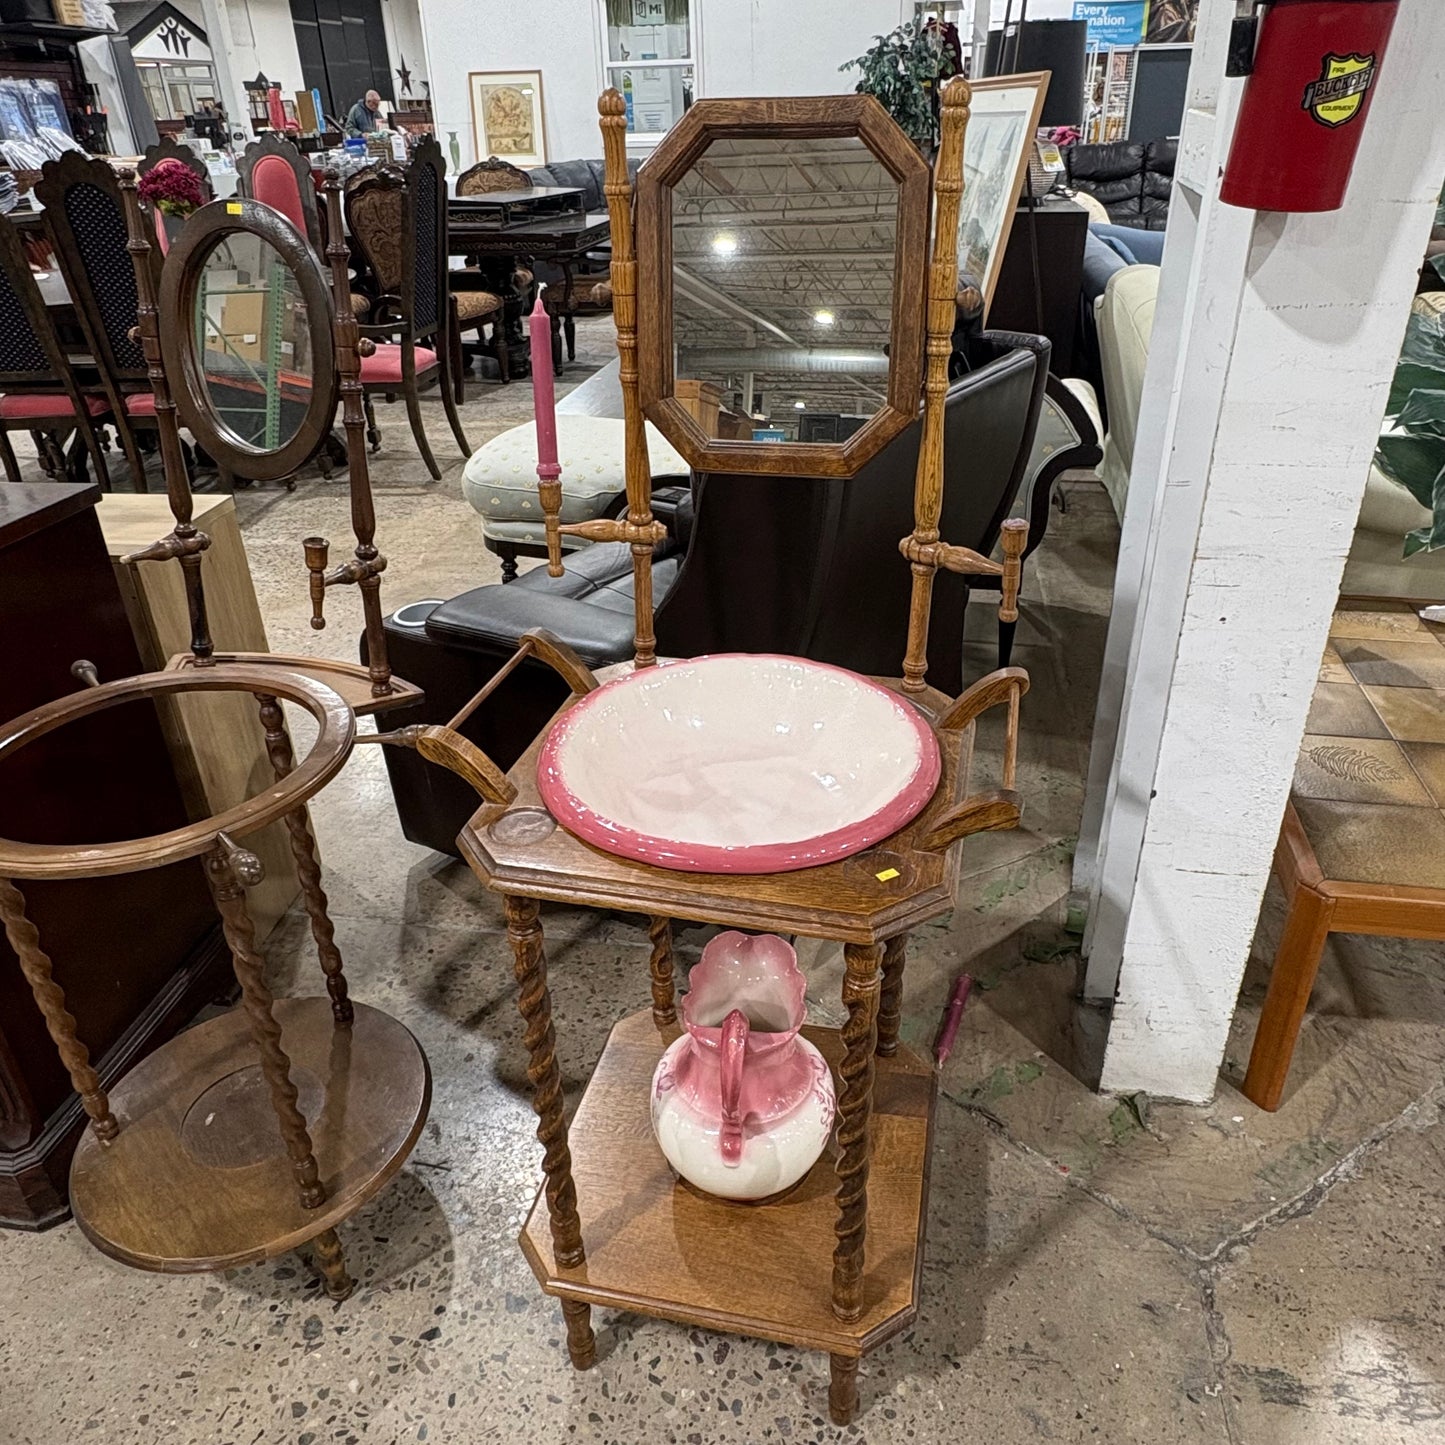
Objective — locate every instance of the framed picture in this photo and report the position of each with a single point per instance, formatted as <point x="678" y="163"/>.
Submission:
<point x="507" y="116"/>
<point x="1003" y="121"/>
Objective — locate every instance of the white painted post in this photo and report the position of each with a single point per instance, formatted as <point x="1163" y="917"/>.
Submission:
<point x="1276" y="337"/>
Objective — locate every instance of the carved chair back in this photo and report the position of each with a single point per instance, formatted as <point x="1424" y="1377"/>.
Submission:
<point x="274" y="172"/>
<point x="86" y="221"/>
<point x="492" y="175"/>
<point x="398" y="220"/>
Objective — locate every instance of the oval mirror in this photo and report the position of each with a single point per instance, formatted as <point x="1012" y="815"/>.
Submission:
<point x="247" y="336"/>
<point x="782" y="268"/>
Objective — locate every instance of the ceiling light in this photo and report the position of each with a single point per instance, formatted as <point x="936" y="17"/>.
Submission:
<point x="823" y="318"/>
<point x="800" y="405"/>
<point x="724" y="245"/>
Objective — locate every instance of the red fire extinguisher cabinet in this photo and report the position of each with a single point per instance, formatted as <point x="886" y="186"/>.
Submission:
<point x="1316" y="67"/>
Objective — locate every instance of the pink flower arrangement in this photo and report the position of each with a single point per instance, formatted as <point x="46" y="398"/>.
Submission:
<point x="172" y="187"/>
<point x="1064" y="135"/>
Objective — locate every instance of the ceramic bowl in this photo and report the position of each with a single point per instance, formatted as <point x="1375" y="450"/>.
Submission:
<point x="738" y="763"/>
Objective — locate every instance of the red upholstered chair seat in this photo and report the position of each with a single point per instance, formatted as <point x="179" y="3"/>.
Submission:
<point x="384" y="364"/>
<point x="140" y="403"/>
<point x="47" y="406"/>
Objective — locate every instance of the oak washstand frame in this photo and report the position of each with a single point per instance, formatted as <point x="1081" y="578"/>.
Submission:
<point x="611" y="1226"/>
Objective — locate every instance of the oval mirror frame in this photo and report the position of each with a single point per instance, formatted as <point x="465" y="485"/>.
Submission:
<point x="180" y="279"/>
<point x="801" y="118"/>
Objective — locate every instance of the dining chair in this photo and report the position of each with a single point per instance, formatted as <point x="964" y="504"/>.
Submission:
<point x="399" y="222"/>
<point x="86" y="223"/>
<point x="41" y="394"/>
<point x="271" y="170"/>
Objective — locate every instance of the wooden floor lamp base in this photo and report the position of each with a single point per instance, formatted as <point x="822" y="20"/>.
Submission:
<point x="196" y="1178"/>
<point x="656" y="1247"/>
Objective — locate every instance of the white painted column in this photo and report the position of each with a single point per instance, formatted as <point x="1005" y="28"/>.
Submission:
<point x="1275" y="340"/>
<point x="225" y="51"/>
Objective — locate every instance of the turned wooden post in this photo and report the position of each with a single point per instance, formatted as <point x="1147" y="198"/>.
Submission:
<point x="855" y="1106"/>
<point x="308" y="869"/>
<point x="890" y="997"/>
<point x="332" y="1263"/>
<point x="366" y="568"/>
<point x="524" y="930"/>
<point x="24" y="938"/>
<point x="664" y="1006"/>
<point x="942" y="288"/>
<point x="183" y="541"/>
<point x="618" y="190"/>
<point x="224" y="862"/>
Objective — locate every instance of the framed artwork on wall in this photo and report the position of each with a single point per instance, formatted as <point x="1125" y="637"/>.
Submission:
<point x="1003" y="120"/>
<point x="507" y="119"/>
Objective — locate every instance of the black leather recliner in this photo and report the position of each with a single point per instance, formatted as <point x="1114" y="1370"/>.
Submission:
<point x="805" y="566"/>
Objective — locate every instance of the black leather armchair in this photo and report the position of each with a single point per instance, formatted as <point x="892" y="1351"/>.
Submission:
<point x="806" y="566"/>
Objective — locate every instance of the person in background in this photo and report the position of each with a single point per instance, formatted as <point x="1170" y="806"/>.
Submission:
<point x="364" y="117"/>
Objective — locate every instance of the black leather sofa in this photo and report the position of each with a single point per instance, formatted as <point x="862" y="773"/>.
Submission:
<point x="588" y="174"/>
<point x="1133" y="179"/>
<point x="805" y="566"/>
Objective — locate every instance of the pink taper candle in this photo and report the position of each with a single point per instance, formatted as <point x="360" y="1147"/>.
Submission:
<point x="544" y="403"/>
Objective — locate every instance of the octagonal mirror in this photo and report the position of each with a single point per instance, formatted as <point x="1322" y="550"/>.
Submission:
<point x="782" y="264"/>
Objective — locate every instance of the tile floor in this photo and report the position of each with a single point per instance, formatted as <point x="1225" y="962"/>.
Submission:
<point x="1101" y="1269"/>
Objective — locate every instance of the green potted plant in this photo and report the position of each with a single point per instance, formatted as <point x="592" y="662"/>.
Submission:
<point x="1411" y="449"/>
<point x="904" y="71"/>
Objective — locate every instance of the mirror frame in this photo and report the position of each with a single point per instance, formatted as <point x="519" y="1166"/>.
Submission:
<point x="801" y="118"/>
<point x="180" y="280"/>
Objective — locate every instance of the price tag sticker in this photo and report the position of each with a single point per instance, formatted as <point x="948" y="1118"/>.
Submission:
<point x="887" y="875"/>
<point x="233" y="208"/>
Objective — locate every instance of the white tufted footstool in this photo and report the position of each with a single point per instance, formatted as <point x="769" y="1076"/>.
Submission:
<point x="500" y="481"/>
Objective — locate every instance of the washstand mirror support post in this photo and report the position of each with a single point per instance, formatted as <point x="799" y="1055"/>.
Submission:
<point x="925" y="550"/>
<point x="366" y="567"/>
<point x="184" y="541"/>
<point x="638" y="528"/>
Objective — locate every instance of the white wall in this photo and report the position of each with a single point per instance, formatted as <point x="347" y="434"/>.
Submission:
<point x="787" y="47"/>
<point x="262" y="37"/>
<point x="402" y="19"/>
<point x="557" y="37"/>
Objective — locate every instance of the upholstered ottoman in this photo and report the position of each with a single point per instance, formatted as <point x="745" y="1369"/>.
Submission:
<point x="500" y="481"/>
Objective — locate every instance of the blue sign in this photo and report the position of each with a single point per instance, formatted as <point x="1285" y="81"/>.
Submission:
<point x="1113" y="22"/>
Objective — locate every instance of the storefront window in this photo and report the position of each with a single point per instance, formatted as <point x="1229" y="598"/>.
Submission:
<point x="649" y="58"/>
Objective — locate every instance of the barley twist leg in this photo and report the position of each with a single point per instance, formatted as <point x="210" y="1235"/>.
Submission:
<point x="855" y="1104"/>
<point x="308" y="869"/>
<point x="60" y="1023"/>
<point x="664" y="1009"/>
<point x="890" y="999"/>
<point x="260" y="1014"/>
<point x="524" y="930"/>
<point x="842" y="1388"/>
<point x="332" y="1263"/>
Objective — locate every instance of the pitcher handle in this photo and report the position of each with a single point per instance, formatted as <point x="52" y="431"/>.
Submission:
<point x="734" y="1046"/>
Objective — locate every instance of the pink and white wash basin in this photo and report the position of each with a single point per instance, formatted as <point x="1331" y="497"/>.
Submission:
<point x="738" y="763"/>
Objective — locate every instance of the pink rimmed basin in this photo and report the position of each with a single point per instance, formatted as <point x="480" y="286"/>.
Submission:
<point x="738" y="763"/>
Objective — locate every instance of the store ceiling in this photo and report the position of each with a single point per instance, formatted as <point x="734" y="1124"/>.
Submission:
<point x="784" y="248"/>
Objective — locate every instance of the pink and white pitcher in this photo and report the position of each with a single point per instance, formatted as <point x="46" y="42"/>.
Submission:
<point x="741" y="1105"/>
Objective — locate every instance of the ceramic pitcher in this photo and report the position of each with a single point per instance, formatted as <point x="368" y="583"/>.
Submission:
<point x="742" y="1106"/>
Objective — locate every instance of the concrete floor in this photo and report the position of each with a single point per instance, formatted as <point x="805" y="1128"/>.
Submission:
<point x="1097" y="1268"/>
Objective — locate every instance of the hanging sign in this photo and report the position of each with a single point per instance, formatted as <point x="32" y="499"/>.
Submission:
<point x="1113" y="22"/>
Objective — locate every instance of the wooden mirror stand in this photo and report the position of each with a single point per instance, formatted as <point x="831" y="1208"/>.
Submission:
<point x="168" y="337"/>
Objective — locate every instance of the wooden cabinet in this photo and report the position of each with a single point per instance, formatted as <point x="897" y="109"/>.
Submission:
<point x="216" y="740"/>
<point x="136" y="955"/>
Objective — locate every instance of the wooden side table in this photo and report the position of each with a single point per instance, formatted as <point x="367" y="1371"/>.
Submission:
<point x="218" y="752"/>
<point x="1362" y="849"/>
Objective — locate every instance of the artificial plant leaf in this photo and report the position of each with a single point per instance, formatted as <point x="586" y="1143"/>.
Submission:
<point x="1414" y="462"/>
<point x="1409" y="376"/>
<point x="1425" y="341"/>
<point x="1423" y="414"/>
<point x="1431" y="537"/>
